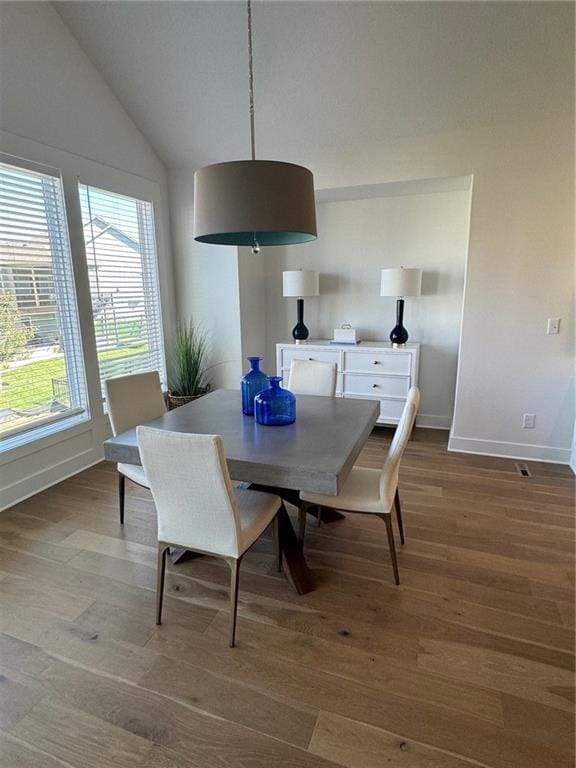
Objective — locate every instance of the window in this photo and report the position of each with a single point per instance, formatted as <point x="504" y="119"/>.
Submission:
<point x="42" y="377"/>
<point x="123" y="275"/>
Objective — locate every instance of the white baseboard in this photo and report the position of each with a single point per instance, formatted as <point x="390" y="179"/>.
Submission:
<point x="433" y="421"/>
<point x="525" y="451"/>
<point x="52" y="475"/>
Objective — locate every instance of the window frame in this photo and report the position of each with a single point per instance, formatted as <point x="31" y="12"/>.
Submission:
<point x="71" y="330"/>
<point x="154" y="265"/>
<point x="65" y="450"/>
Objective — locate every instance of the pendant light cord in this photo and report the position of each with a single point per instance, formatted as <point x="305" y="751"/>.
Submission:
<point x="251" y="79"/>
<point x="255" y="244"/>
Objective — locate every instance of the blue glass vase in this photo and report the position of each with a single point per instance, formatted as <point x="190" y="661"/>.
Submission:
<point x="275" y="406"/>
<point x="251" y="384"/>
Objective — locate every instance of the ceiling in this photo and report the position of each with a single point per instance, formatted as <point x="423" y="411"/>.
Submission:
<point x="327" y="74"/>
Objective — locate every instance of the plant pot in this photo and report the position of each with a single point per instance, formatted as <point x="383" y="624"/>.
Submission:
<point x="175" y="401"/>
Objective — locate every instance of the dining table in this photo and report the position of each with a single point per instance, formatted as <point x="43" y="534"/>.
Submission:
<point x="315" y="453"/>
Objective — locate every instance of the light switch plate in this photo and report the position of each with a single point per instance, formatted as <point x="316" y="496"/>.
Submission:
<point x="528" y="421"/>
<point x="553" y="326"/>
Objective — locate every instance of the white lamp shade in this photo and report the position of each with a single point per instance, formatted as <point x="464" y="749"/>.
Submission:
<point x="300" y="282"/>
<point x="401" y="282"/>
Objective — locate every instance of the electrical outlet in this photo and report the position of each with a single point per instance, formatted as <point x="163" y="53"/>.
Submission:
<point x="529" y="421"/>
<point x="553" y="326"/>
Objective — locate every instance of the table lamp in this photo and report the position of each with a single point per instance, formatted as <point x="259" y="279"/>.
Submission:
<point x="400" y="282"/>
<point x="299" y="283"/>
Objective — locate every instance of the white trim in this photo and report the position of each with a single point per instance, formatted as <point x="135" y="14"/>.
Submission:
<point x="465" y="291"/>
<point x="62" y="434"/>
<point x="394" y="189"/>
<point x="21" y="162"/>
<point x="527" y="451"/>
<point x="25" y="432"/>
<point x="56" y="474"/>
<point x="433" y="421"/>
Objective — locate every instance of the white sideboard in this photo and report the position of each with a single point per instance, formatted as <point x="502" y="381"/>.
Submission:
<point x="372" y="370"/>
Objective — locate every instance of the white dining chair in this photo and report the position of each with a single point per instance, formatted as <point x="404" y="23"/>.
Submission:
<point x="312" y="377"/>
<point x="132" y="400"/>
<point x="372" y="491"/>
<point x="198" y="508"/>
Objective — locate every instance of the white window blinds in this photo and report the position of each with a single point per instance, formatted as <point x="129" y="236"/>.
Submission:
<point x="123" y="275"/>
<point x="42" y="377"/>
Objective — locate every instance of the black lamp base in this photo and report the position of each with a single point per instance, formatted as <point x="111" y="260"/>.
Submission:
<point x="399" y="334"/>
<point x="300" y="333"/>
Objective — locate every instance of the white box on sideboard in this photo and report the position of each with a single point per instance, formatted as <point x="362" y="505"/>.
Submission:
<point x="347" y="335"/>
<point x="373" y="370"/>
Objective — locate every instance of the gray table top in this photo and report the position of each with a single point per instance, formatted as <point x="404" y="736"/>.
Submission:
<point x="316" y="453"/>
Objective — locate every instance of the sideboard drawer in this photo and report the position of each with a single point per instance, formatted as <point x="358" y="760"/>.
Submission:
<point x="321" y="355"/>
<point x="378" y="362"/>
<point x="377" y="386"/>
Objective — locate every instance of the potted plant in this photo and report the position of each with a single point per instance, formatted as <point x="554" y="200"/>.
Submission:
<point x="186" y="365"/>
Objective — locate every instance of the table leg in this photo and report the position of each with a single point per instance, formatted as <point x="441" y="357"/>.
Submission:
<point x="329" y="514"/>
<point x="293" y="560"/>
<point x="176" y="555"/>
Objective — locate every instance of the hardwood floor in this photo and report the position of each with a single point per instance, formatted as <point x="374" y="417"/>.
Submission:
<point x="468" y="663"/>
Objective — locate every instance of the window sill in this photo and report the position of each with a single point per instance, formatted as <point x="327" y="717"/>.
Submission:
<point x="44" y="436"/>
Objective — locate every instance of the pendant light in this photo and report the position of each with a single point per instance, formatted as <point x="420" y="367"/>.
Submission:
<point x="254" y="202"/>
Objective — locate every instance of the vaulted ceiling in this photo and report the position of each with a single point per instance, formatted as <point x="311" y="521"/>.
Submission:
<point x="327" y="74"/>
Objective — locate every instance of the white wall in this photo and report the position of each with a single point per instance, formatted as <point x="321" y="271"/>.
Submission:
<point x="207" y="285"/>
<point x="520" y="272"/>
<point x="220" y="287"/>
<point x="254" y="320"/>
<point x="357" y="238"/>
<point x="56" y="109"/>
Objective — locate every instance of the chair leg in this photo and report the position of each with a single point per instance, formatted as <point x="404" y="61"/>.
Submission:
<point x="399" y="515"/>
<point x="121" y="495"/>
<point x="160" y="572"/>
<point x="390" y="531"/>
<point x="234" y="569"/>
<point x="277" y="549"/>
<point x="319" y="518"/>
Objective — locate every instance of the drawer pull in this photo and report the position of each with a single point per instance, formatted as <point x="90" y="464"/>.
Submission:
<point x="376" y="362"/>
<point x="310" y="358"/>
<point x="374" y="386"/>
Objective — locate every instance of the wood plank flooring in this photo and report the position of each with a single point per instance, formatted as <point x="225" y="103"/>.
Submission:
<point x="468" y="663"/>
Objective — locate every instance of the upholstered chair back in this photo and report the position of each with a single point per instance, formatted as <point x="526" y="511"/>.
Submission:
<point x="391" y="469"/>
<point x="134" y="400"/>
<point x="312" y="377"/>
<point x="192" y="490"/>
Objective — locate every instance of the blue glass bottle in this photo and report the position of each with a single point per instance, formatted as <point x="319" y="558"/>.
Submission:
<point x="251" y="384"/>
<point x="275" y="406"/>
